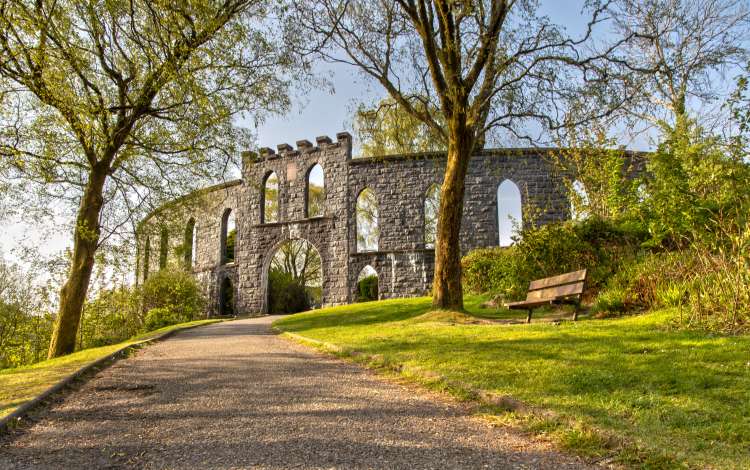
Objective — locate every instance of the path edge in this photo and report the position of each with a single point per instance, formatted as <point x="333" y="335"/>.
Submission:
<point x="15" y="418"/>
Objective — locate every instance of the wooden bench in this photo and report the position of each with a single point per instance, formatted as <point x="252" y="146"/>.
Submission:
<point x="564" y="288"/>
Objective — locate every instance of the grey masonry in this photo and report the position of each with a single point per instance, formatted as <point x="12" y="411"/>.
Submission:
<point x="402" y="261"/>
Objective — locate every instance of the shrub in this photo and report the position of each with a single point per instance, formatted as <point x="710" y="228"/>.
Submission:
<point x="367" y="288"/>
<point x="492" y="270"/>
<point x="612" y="300"/>
<point x="285" y="293"/>
<point x="718" y="296"/>
<point x="314" y="296"/>
<point x="112" y="316"/>
<point x="711" y="290"/>
<point x="160" y="317"/>
<point x="594" y="244"/>
<point x="605" y="173"/>
<point x="173" y="290"/>
<point x="693" y="180"/>
<point x="25" y="328"/>
<point x="653" y="280"/>
<point x="24" y="335"/>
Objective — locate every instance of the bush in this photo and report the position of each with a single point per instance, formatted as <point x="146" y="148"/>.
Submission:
<point x="718" y="298"/>
<point x="285" y="293"/>
<point x="605" y="173"/>
<point x="693" y="182"/>
<point x="711" y="290"/>
<point x="492" y="270"/>
<point x="24" y="335"/>
<point x="112" y="316"/>
<point x="654" y="280"/>
<point x="593" y="244"/>
<point x="160" y="317"/>
<point x="174" y="291"/>
<point x="314" y="296"/>
<point x="25" y="328"/>
<point x="367" y="288"/>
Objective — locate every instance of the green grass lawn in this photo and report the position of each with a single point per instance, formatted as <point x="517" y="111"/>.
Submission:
<point x="632" y="388"/>
<point x="21" y="384"/>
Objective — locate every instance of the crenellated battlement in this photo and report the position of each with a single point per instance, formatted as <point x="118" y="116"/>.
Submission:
<point x="303" y="147"/>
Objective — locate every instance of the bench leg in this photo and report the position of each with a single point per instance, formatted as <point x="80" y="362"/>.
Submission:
<point x="528" y="316"/>
<point x="575" y="315"/>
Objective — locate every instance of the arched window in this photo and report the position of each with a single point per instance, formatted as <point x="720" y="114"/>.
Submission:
<point x="641" y="192"/>
<point x="189" y="243"/>
<point x="368" y="232"/>
<point x="270" y="199"/>
<point x="228" y="237"/>
<point x="367" y="284"/>
<point x="194" y="245"/>
<point x="163" y="248"/>
<point x="316" y="195"/>
<point x="579" y="201"/>
<point x="509" y="212"/>
<point x="146" y="258"/>
<point x="431" y="211"/>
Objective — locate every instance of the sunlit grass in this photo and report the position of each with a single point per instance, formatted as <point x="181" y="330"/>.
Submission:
<point x="633" y="387"/>
<point x="21" y="384"/>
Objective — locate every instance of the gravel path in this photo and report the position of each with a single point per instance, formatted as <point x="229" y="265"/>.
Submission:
<point x="233" y="395"/>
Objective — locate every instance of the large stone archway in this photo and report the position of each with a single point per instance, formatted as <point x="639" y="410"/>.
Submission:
<point x="268" y="258"/>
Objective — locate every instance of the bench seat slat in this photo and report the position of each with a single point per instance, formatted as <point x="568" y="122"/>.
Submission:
<point x="567" y="278"/>
<point x="526" y="304"/>
<point x="550" y="293"/>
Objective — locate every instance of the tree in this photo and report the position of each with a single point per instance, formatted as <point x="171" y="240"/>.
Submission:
<point x="24" y="326"/>
<point x="695" y="185"/>
<point x="601" y="179"/>
<point x="316" y="198"/>
<point x="738" y="106"/>
<point x="684" y="45"/>
<point x="387" y="129"/>
<point x="300" y="259"/>
<point x="486" y="67"/>
<point x="295" y="278"/>
<point x="112" y="106"/>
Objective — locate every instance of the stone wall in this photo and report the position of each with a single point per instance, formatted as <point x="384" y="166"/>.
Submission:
<point x="404" y="266"/>
<point x="206" y="208"/>
<point x="403" y="263"/>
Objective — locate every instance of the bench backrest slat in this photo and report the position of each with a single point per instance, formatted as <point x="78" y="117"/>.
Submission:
<point x="565" y="290"/>
<point x="562" y="279"/>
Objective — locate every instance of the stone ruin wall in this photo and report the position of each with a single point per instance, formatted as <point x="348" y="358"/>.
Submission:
<point x="207" y="208"/>
<point x="404" y="266"/>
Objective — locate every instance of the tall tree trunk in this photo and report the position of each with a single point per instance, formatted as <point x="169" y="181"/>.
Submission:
<point x="85" y="241"/>
<point x="447" y="292"/>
